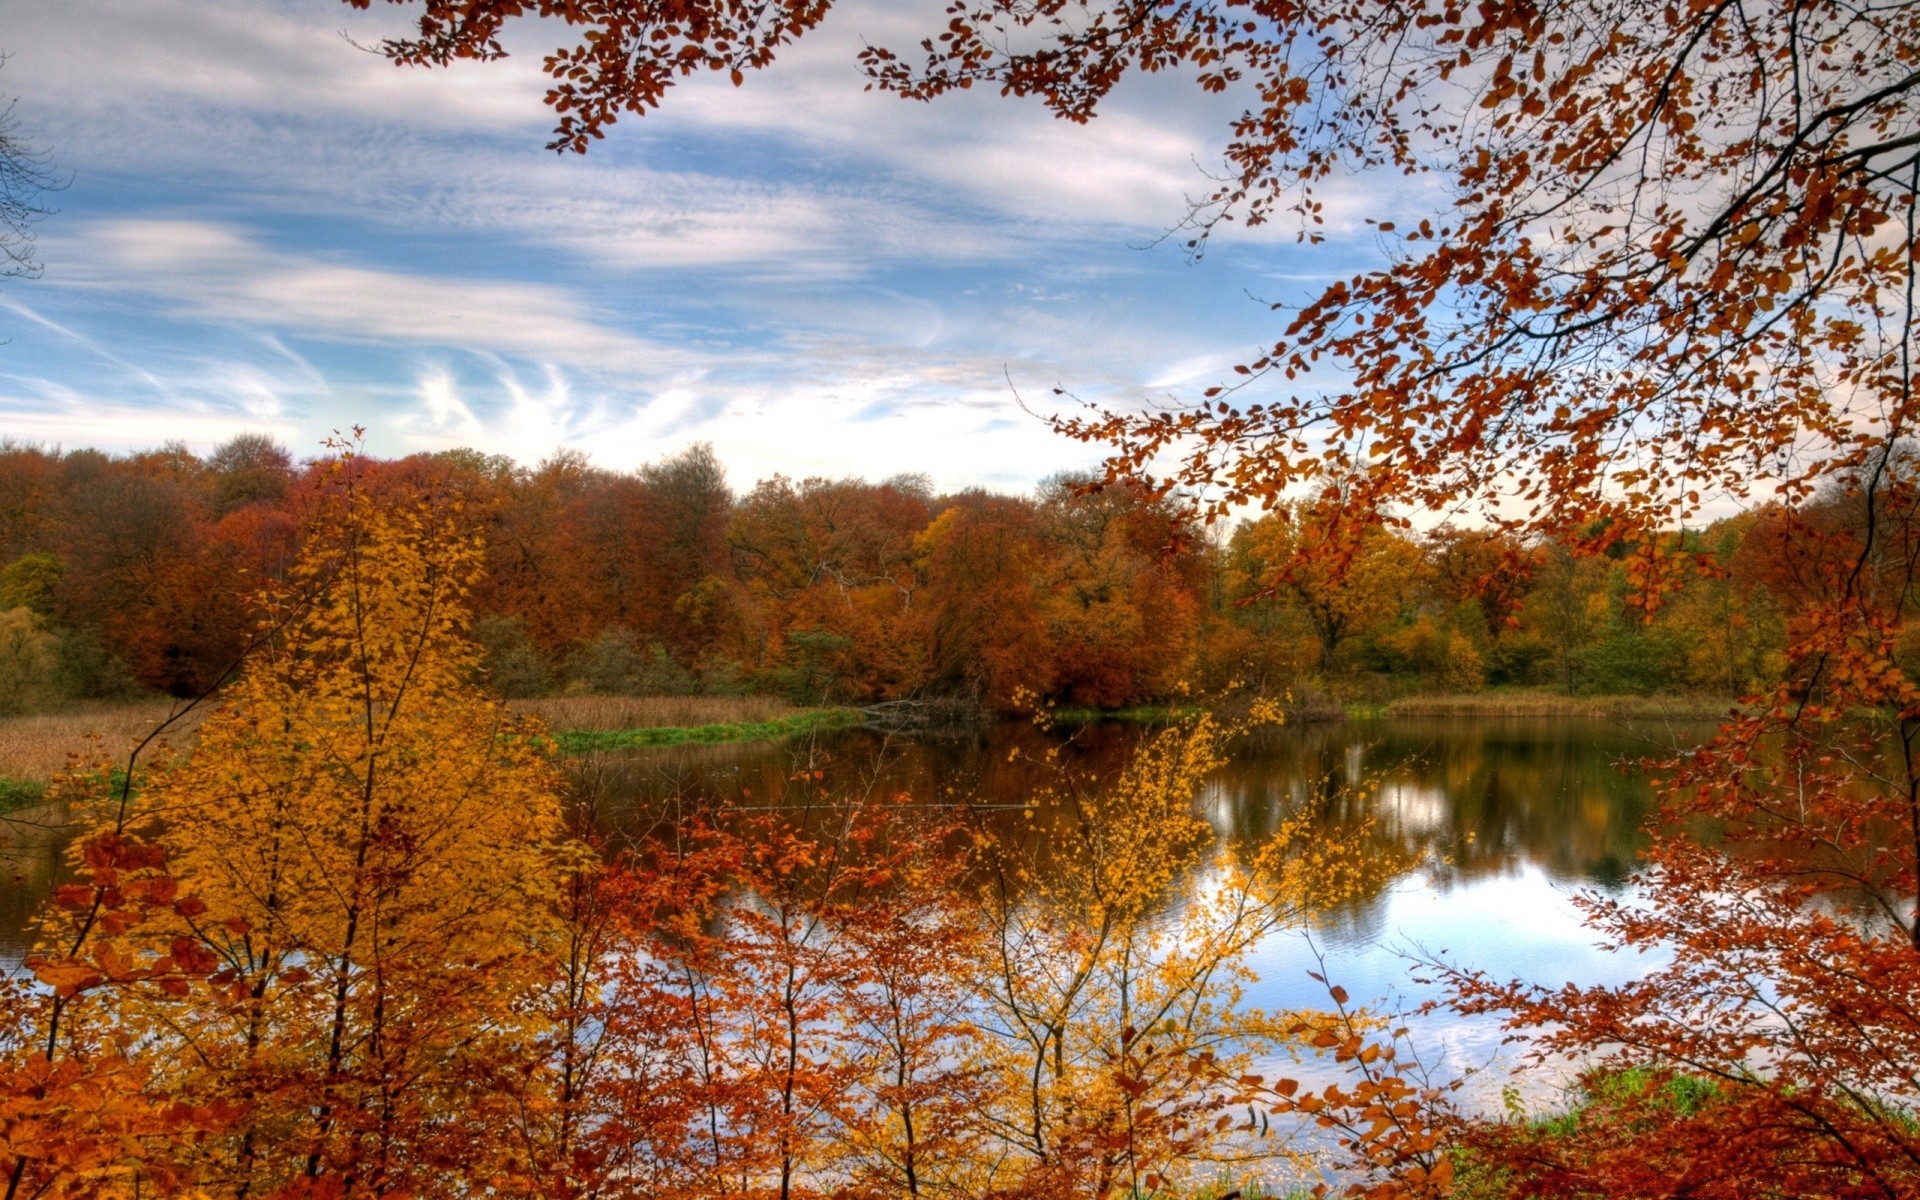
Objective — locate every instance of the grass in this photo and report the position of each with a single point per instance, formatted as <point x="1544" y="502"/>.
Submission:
<point x="804" y="721"/>
<point x="21" y="793"/>
<point x="1550" y="704"/>
<point x="1631" y="1089"/>
<point x="1138" y="714"/>
<point x="565" y="714"/>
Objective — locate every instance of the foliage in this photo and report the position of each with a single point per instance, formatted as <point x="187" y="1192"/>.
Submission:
<point x="29" y="662"/>
<point x="1117" y="937"/>
<point x="1672" y="259"/>
<point x="349" y="948"/>
<point x="314" y="974"/>
<point x="659" y="582"/>
<point x="31" y="581"/>
<point x="509" y="661"/>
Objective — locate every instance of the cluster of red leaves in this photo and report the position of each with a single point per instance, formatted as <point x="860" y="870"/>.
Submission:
<point x="1781" y="889"/>
<point x="630" y="56"/>
<point x="1661" y="275"/>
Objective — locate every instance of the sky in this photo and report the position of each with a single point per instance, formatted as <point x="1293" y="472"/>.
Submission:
<point x="266" y="226"/>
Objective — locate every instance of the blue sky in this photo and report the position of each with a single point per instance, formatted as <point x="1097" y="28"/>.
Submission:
<point x="270" y="228"/>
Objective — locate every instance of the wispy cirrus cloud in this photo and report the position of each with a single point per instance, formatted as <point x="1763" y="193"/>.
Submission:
<point x="211" y="271"/>
<point x="270" y="225"/>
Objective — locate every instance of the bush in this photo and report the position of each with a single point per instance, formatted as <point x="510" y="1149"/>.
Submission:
<point x="1443" y="658"/>
<point x="30" y="582"/>
<point x="90" y="671"/>
<point x="510" y="662"/>
<point x="29" y="663"/>
<point x="614" y="665"/>
<point x="1632" y="660"/>
<point x="816" y="663"/>
<point x="1519" y="658"/>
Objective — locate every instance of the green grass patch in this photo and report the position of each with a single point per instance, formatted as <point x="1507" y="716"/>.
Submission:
<point x="1137" y="714"/>
<point x="21" y="793"/>
<point x="582" y="741"/>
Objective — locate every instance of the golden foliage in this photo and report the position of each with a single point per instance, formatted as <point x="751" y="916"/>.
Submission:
<point x="348" y="899"/>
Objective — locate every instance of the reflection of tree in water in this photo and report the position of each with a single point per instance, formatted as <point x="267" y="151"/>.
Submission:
<point x="1462" y="799"/>
<point x="1465" y="799"/>
<point x="31" y="863"/>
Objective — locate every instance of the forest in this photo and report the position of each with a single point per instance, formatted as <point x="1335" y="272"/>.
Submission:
<point x="134" y="574"/>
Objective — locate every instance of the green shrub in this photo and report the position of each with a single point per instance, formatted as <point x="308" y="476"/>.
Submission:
<point x="512" y="664"/>
<point x="90" y="671"/>
<point x="29" y="663"/>
<point x="30" y="582"/>
<point x="613" y="664"/>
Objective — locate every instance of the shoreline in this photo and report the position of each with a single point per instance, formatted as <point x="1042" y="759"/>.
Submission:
<point x="24" y="771"/>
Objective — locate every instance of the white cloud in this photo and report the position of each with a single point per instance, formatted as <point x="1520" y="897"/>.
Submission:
<point x="209" y="84"/>
<point x="73" y="419"/>
<point x="214" y="272"/>
<point x="287" y="58"/>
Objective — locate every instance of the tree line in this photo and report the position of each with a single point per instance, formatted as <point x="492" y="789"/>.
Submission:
<point x="133" y="573"/>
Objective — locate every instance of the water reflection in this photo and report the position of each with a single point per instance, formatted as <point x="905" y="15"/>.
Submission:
<point x="1502" y="817"/>
<point x="1500" y="821"/>
<point x="31" y="863"/>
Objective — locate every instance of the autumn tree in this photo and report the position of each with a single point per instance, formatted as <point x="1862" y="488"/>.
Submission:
<point x="1118" y="931"/>
<point x="1339" y="595"/>
<point x="830" y="568"/>
<point x="345" y="911"/>
<point x="249" y="468"/>
<point x="1120" y="612"/>
<point x="982" y="557"/>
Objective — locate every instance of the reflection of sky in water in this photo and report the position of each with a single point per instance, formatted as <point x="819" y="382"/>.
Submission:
<point x="1507" y="819"/>
<point x="1412" y="810"/>
<point x="1521" y="925"/>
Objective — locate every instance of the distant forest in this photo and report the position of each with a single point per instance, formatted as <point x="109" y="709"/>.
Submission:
<point x="134" y="573"/>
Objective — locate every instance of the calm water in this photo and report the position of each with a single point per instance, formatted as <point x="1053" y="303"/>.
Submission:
<point x="1506" y="818"/>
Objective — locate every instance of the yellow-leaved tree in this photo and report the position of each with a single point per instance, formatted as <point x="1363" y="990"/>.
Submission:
<point x="363" y="855"/>
<point x="1112" y="996"/>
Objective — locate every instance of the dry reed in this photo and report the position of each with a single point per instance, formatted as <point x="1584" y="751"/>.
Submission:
<point x="1551" y="704"/>
<point x="40" y="746"/>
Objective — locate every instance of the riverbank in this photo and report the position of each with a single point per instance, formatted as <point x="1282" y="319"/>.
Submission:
<point x="1463" y="705"/>
<point x="35" y="748"/>
<point x="1550" y="704"/>
<point x="583" y="724"/>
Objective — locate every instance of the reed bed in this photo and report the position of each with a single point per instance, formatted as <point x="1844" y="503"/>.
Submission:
<point x="569" y="713"/>
<point x="1552" y="704"/>
<point x="40" y="746"/>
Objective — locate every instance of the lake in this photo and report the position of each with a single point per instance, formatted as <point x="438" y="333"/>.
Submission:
<point x="1506" y="820"/>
